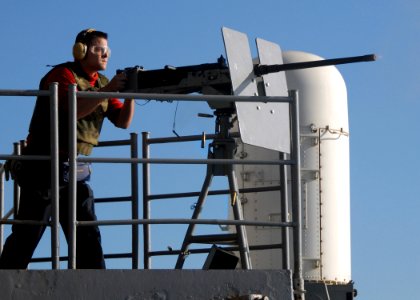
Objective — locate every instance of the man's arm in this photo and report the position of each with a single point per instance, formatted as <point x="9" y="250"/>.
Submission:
<point x="126" y="114"/>
<point x="86" y="106"/>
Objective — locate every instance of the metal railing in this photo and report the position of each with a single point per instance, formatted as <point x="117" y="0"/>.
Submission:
<point x="52" y="93"/>
<point x="293" y="162"/>
<point x="147" y="142"/>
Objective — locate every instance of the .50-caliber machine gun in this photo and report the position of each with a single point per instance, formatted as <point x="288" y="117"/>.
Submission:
<point x="210" y="78"/>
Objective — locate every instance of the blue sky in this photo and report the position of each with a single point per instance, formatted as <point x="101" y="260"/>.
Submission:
<point x="383" y="100"/>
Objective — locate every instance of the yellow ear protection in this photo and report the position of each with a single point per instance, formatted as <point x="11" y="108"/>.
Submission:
<point x="80" y="47"/>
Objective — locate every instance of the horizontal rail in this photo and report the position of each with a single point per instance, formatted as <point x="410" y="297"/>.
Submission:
<point x="25" y="222"/>
<point x="207" y="250"/>
<point x="185" y="161"/>
<point x="184" y="97"/>
<point x="66" y="258"/>
<point x="185" y="221"/>
<point x="24" y="157"/>
<point x="114" y="143"/>
<point x="24" y="93"/>
<point x="114" y="199"/>
<point x="147" y="96"/>
<point x="213" y="193"/>
<point x="188" y="138"/>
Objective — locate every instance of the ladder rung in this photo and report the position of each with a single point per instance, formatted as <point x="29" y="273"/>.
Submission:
<point x="214" y="238"/>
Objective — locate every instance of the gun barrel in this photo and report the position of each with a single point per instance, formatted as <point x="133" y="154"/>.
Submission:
<point x="266" y="69"/>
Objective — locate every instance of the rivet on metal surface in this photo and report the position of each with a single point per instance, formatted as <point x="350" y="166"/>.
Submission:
<point x="243" y="154"/>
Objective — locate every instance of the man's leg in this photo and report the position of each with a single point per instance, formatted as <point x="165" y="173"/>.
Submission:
<point x="89" y="254"/>
<point x="21" y="244"/>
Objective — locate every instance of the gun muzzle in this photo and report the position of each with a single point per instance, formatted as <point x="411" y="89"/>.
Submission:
<point x="267" y="69"/>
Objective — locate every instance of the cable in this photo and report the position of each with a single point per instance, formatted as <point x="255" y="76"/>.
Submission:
<point x="143" y="104"/>
<point x="174" y="123"/>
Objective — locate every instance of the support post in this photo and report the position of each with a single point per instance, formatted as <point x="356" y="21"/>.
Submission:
<point x="135" y="201"/>
<point x="146" y="200"/>
<point x="55" y="226"/>
<point x="2" y="177"/>
<point x="298" y="282"/>
<point x="72" y="175"/>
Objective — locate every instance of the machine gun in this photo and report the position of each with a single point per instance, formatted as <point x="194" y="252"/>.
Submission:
<point x="210" y="78"/>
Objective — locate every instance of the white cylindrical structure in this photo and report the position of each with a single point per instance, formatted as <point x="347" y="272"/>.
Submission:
<point x="325" y="169"/>
<point x="325" y="178"/>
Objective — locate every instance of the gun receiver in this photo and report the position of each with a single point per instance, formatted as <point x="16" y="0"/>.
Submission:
<point x="207" y="79"/>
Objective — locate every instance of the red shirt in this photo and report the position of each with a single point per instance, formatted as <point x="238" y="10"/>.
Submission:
<point x="38" y="139"/>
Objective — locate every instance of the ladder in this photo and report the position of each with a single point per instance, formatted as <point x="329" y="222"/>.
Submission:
<point x="222" y="147"/>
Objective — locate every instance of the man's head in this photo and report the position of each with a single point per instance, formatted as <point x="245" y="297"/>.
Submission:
<point x="91" y="49"/>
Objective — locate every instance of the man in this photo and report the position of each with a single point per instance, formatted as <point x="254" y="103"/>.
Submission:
<point x="91" y="54"/>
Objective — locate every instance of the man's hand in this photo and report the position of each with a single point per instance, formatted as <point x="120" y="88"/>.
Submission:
<point x="116" y="84"/>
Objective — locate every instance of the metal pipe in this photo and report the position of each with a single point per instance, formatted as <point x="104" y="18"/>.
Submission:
<point x="213" y="193"/>
<point x="1" y="205"/>
<point x="16" y="188"/>
<point x="72" y="175"/>
<point x="25" y="157"/>
<point x="114" y="143"/>
<point x="65" y="258"/>
<point x="298" y="283"/>
<point x="214" y="161"/>
<point x="184" y="97"/>
<point x="135" y="202"/>
<point x="22" y="222"/>
<point x="24" y="93"/>
<point x="284" y="209"/>
<point x="198" y="207"/>
<point x="207" y="250"/>
<point x="186" y="221"/>
<point x="240" y="229"/>
<point x="114" y="199"/>
<point x="187" y="138"/>
<point x="7" y="215"/>
<point x="146" y="96"/>
<point x="146" y="203"/>
<point x="55" y="215"/>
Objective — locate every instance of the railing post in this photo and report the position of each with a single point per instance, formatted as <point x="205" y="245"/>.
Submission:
<point x="72" y="175"/>
<point x="16" y="188"/>
<point x="55" y="226"/>
<point x="284" y="209"/>
<point x="1" y="206"/>
<point x="146" y="202"/>
<point x="135" y="200"/>
<point x="298" y="283"/>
